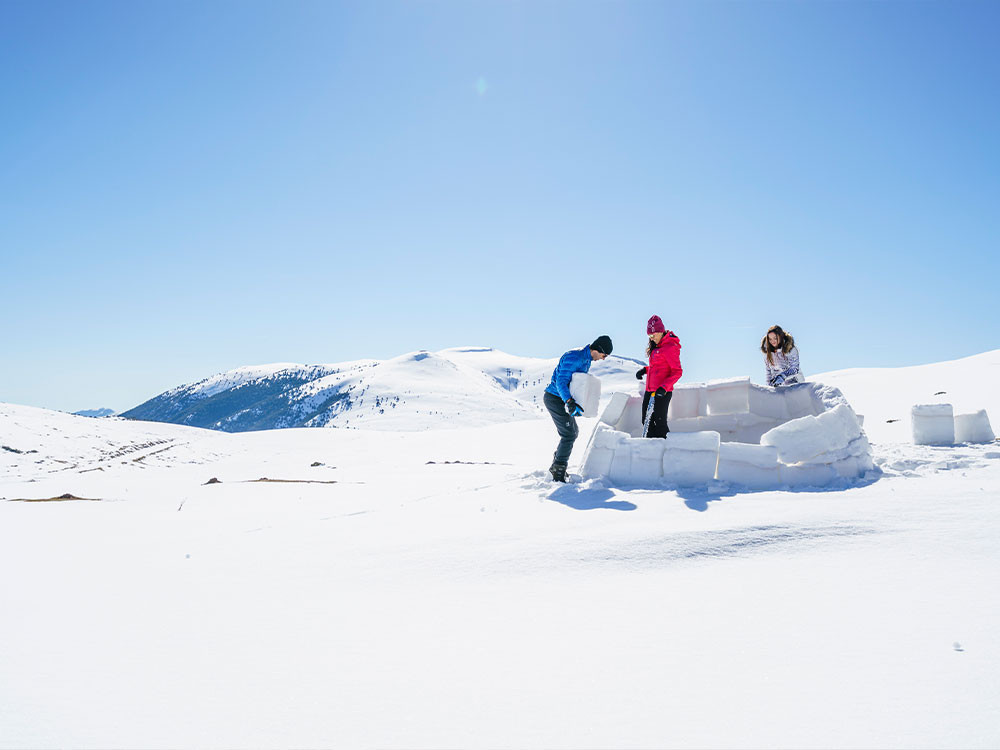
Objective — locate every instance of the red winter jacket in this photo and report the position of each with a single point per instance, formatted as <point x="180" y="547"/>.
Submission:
<point x="664" y="364"/>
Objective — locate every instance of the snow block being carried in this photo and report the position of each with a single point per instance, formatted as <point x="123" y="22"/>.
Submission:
<point x="730" y="396"/>
<point x="684" y="404"/>
<point x="586" y="391"/>
<point x="753" y="466"/>
<point x="933" y="424"/>
<point x="973" y="428"/>
<point x="690" y="457"/>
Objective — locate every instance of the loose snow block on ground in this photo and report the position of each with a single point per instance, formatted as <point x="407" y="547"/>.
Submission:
<point x="690" y="457"/>
<point x="973" y="428"/>
<point x="806" y="438"/>
<point x="933" y="424"/>
<point x="730" y="396"/>
<point x="685" y="402"/>
<point x="586" y="391"/>
<point x="753" y="466"/>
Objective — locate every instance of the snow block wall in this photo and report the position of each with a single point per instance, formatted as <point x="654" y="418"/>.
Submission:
<point x="733" y="431"/>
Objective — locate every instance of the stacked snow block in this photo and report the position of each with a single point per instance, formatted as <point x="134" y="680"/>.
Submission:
<point x="814" y="451"/>
<point x="685" y="403"/>
<point x="735" y="431"/>
<point x="690" y="458"/>
<point x="973" y="428"/>
<point x="731" y="396"/>
<point x="601" y="451"/>
<point x="681" y="459"/>
<point x="752" y="466"/>
<point x="933" y="424"/>
<point x="586" y="391"/>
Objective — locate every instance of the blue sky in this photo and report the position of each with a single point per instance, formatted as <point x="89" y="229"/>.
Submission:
<point x="188" y="187"/>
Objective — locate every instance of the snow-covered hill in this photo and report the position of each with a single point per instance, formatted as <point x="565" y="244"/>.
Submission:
<point x="462" y="387"/>
<point x="170" y="586"/>
<point x="884" y="395"/>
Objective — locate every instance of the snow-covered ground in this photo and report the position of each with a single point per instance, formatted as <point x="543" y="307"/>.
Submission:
<point x="432" y="589"/>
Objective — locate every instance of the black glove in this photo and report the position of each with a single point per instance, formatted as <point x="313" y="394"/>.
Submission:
<point x="661" y="391"/>
<point x="573" y="408"/>
<point x="640" y="374"/>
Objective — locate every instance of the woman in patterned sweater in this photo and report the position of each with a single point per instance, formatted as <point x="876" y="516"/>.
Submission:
<point x="781" y="358"/>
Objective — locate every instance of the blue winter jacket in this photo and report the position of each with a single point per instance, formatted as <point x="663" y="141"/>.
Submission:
<point x="575" y="360"/>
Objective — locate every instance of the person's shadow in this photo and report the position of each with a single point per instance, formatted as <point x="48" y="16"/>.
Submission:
<point x="578" y="498"/>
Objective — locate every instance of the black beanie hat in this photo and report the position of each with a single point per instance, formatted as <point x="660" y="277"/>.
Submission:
<point x="602" y="344"/>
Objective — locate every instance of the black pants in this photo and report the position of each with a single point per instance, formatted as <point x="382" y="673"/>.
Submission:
<point x="658" y="419"/>
<point x="565" y="425"/>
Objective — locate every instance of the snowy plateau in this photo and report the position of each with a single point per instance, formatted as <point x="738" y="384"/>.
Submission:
<point x="416" y="581"/>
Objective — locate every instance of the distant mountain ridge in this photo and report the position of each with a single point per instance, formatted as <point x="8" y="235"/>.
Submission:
<point x="460" y="387"/>
<point x="95" y="413"/>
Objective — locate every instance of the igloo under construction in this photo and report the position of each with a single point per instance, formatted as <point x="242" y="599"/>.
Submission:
<point x="734" y="431"/>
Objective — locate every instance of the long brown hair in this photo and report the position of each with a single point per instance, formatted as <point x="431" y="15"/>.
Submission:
<point x="787" y="342"/>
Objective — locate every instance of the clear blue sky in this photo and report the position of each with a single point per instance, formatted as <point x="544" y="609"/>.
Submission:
<point x="188" y="187"/>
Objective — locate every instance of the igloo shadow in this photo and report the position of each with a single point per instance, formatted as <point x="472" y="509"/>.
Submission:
<point x="733" y="431"/>
<point x="580" y="498"/>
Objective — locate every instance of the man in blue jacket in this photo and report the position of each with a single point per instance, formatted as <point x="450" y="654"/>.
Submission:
<point x="560" y="403"/>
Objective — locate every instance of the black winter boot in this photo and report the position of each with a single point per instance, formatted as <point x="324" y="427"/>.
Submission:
<point x="558" y="472"/>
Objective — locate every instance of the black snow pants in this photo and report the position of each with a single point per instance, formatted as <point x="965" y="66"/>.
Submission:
<point x="658" y="419"/>
<point x="565" y="425"/>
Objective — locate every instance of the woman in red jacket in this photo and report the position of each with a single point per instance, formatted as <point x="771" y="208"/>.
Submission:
<point x="664" y="369"/>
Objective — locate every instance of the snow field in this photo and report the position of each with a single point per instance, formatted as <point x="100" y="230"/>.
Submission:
<point x="420" y="603"/>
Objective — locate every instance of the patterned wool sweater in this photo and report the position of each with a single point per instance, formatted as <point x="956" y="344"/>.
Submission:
<point x="783" y="364"/>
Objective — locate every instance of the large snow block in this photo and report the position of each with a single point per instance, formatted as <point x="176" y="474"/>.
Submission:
<point x="933" y="424"/>
<point x="731" y="396"/>
<point x="603" y="443"/>
<point x="768" y="402"/>
<point x="799" y="400"/>
<point x="807" y="475"/>
<point x="586" y="391"/>
<point x="973" y="428"/>
<point x="684" y="404"/>
<point x="616" y="407"/>
<point x="805" y="438"/>
<point x="631" y="421"/>
<point x="753" y="466"/>
<point x="647" y="460"/>
<point x="621" y="464"/>
<point x="690" y="457"/>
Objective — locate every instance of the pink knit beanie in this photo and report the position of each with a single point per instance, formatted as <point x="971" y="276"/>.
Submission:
<point x="655" y="325"/>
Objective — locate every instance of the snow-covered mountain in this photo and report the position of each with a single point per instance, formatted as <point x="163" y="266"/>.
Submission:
<point x="461" y="387"/>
